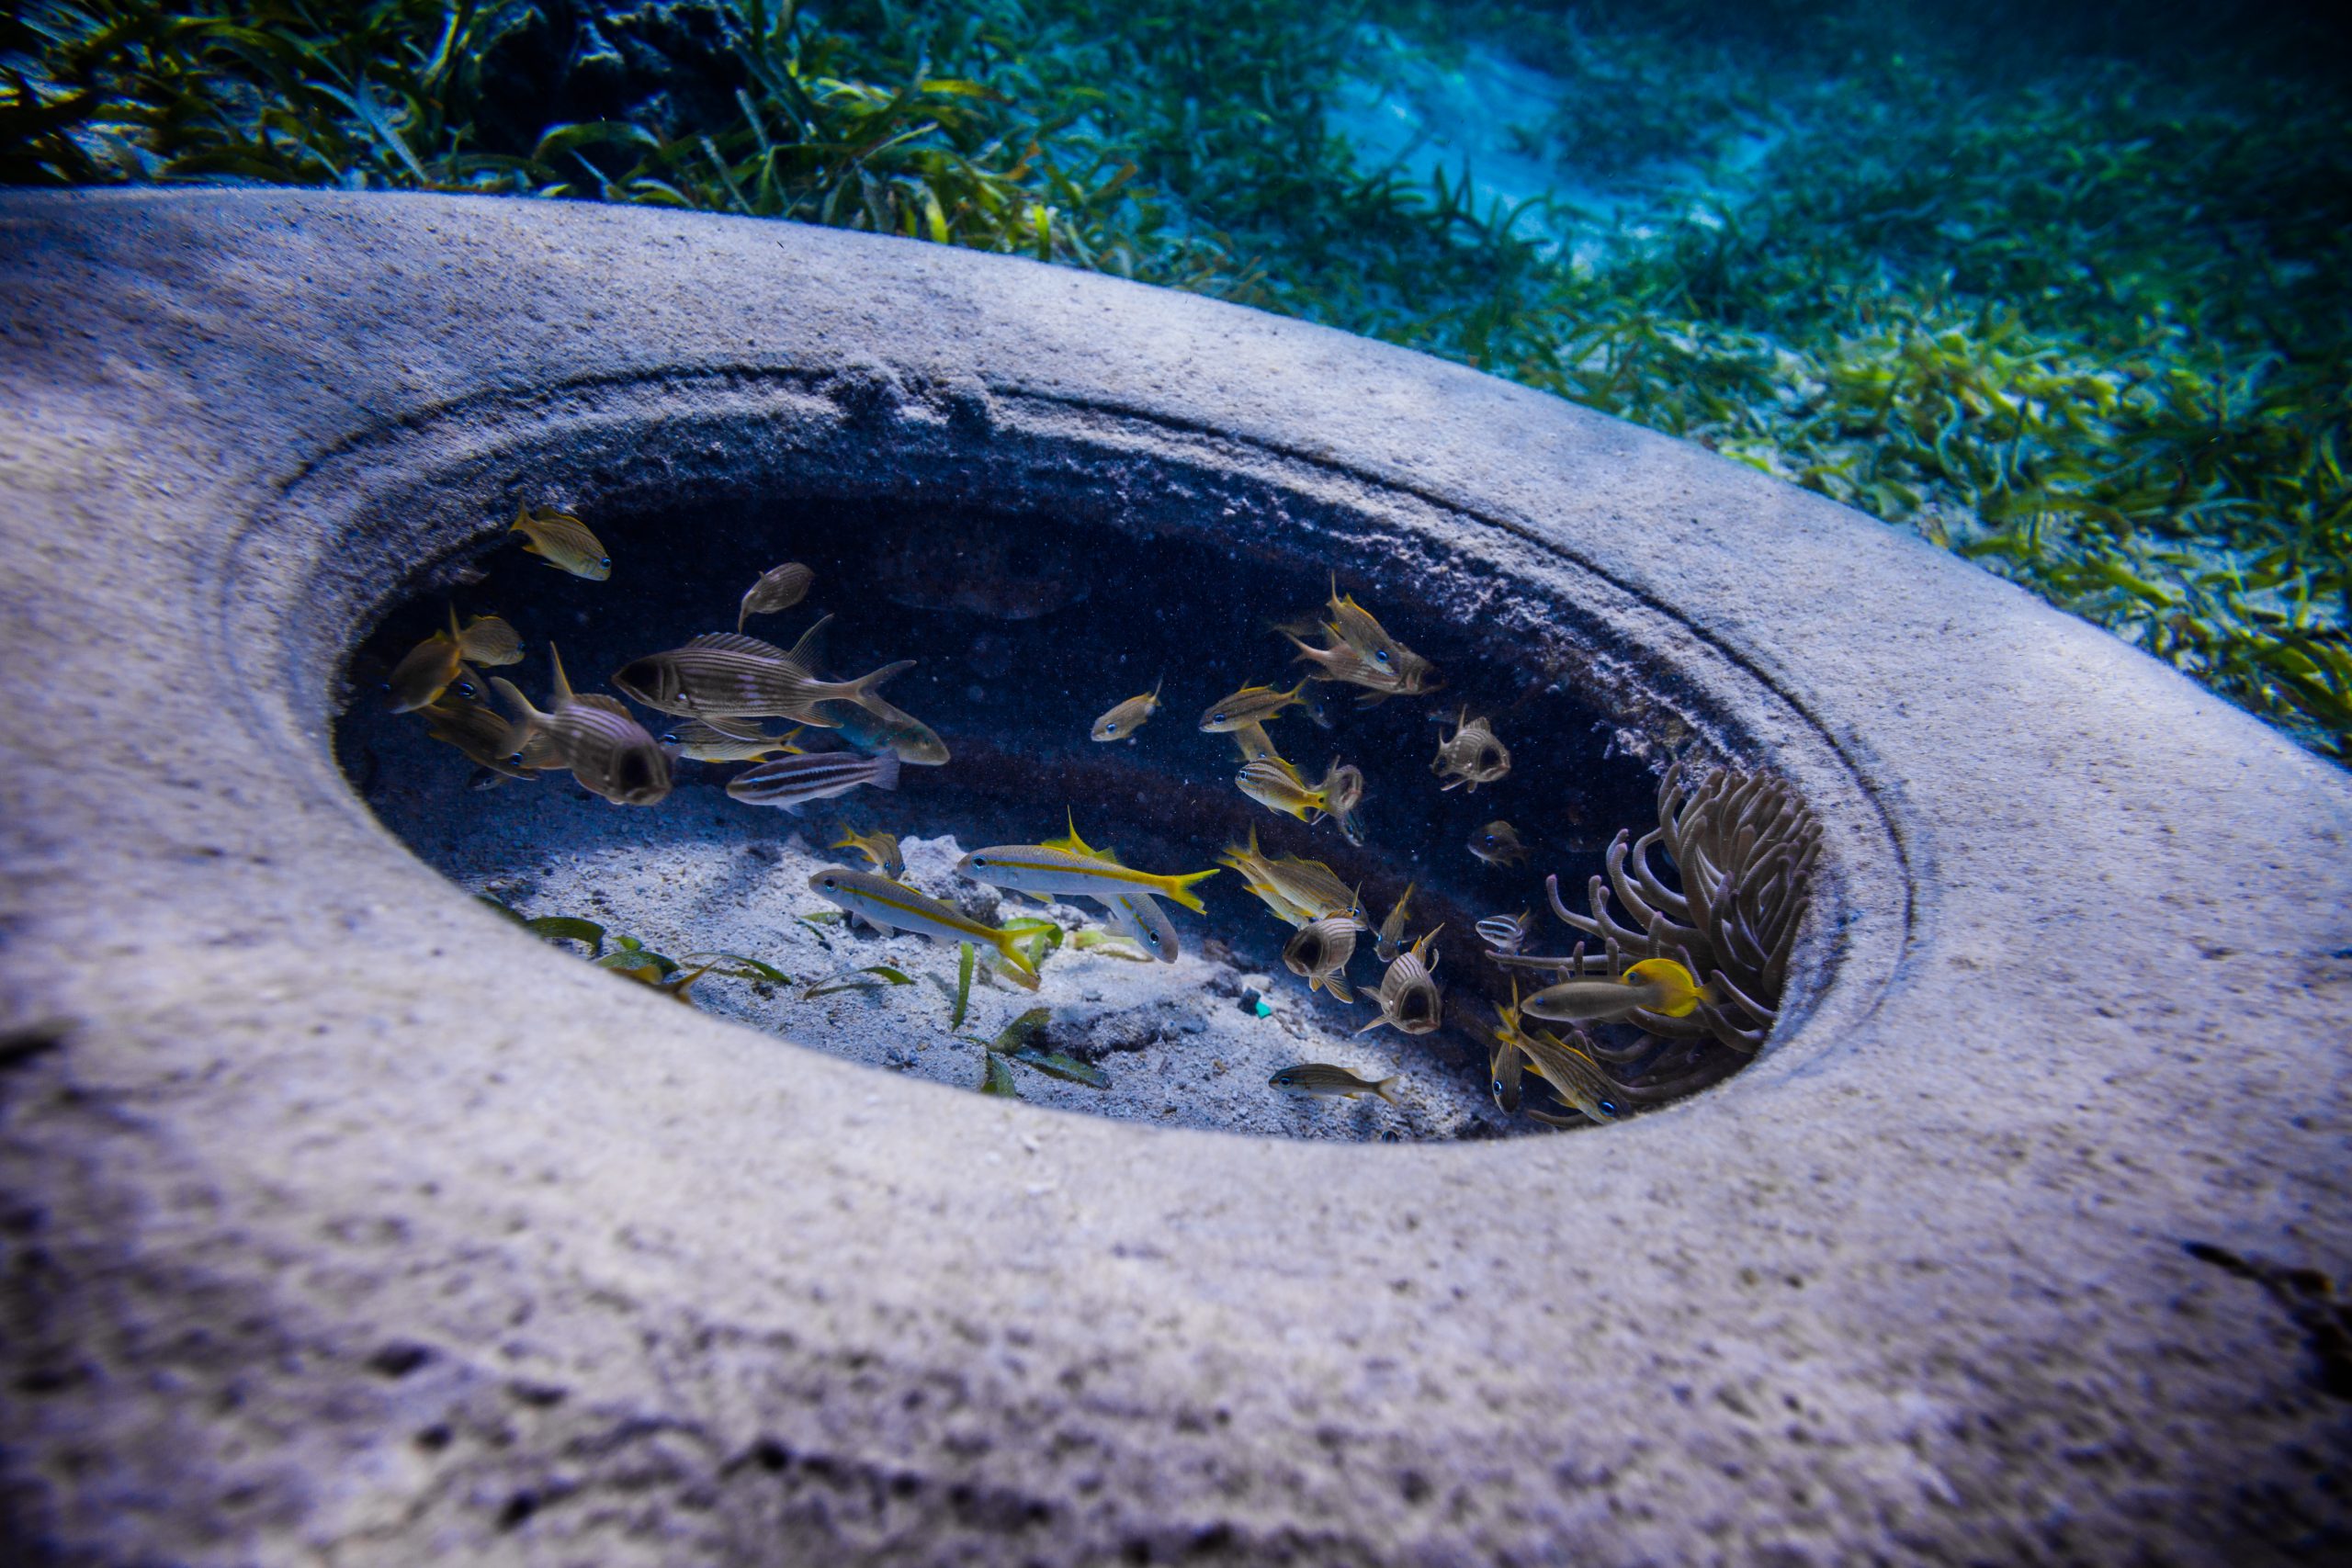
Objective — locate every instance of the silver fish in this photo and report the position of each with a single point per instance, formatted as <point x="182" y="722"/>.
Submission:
<point x="1138" y="914"/>
<point x="1471" y="755"/>
<point x="1321" y="1081"/>
<point x="1498" y="843"/>
<point x="792" y="782"/>
<point x="728" y="675"/>
<point x="728" y="742"/>
<point x="1318" y="953"/>
<point x="780" y="588"/>
<point x="890" y="906"/>
<point x="609" y="752"/>
<point x="1507" y="933"/>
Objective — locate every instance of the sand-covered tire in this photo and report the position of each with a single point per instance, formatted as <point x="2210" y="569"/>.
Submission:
<point x="345" y="1222"/>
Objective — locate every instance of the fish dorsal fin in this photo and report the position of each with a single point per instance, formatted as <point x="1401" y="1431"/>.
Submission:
<point x="736" y="642"/>
<point x="563" y="684"/>
<point x="810" y="647"/>
<point x="455" y="635"/>
<point x="739" y="730"/>
<point x="602" y="702"/>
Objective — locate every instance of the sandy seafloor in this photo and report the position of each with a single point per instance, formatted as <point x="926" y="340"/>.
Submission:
<point x="702" y="873"/>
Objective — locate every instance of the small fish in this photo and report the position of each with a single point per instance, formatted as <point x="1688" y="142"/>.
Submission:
<point x="879" y="848"/>
<point x="1129" y="716"/>
<point x="1573" y="1075"/>
<point x="1498" y="843"/>
<point x="791" y="782"/>
<point x="1250" y="704"/>
<point x="1034" y="868"/>
<point x="1342" y="793"/>
<point x="609" y="752"/>
<point x="1277" y="787"/>
<point x="1138" y="914"/>
<point x="779" y="589"/>
<point x="476" y="731"/>
<point x="1342" y="663"/>
<point x="489" y="640"/>
<point x="1256" y="746"/>
<point x="1408" y="994"/>
<point x="429" y="668"/>
<point x="889" y="906"/>
<point x="871" y="724"/>
<point x="728" y="675"/>
<point x="1320" y="952"/>
<point x="1357" y="626"/>
<point x="1471" y="755"/>
<point x="1655" y="985"/>
<point x="706" y="741"/>
<point x="562" y="541"/>
<point x="1390" y="940"/>
<point x="1507" y="933"/>
<point x="1321" y="1081"/>
<point x="1505" y="1060"/>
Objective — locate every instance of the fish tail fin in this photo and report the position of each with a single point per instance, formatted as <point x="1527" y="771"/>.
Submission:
<point x="562" y="683"/>
<point x="1178" y="887"/>
<point x="848" y="840"/>
<point x="1017" y="967"/>
<point x="1387" y="1089"/>
<point x="885" y="770"/>
<point x="865" y="685"/>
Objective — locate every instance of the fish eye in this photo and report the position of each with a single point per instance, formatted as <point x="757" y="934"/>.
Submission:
<point x="979" y="860"/>
<point x="670" y="739"/>
<point x="1380" y="654"/>
<point x="604" y="560"/>
<point x="1609" y="1107"/>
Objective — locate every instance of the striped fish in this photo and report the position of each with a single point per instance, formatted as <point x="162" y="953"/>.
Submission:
<point x="1035" y="868"/>
<point x="1408" y="995"/>
<point x="562" y="541"/>
<point x="728" y="675"/>
<point x="793" y="782"/>
<point x="890" y="906"/>
<point x="1318" y="953"/>
<point x="779" y="589"/>
<point x="1573" y="1075"/>
<point x="708" y="743"/>
<point x="607" y="750"/>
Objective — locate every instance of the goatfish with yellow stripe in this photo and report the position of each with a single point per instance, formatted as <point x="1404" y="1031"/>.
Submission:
<point x="1250" y="704"/>
<point x="609" y="752"/>
<point x="1040" y="869"/>
<point x="890" y="906"/>
<point x="562" y="541"/>
<point x="881" y="850"/>
<point x="791" y="782"/>
<point x="1137" y="915"/>
<point x="706" y="741"/>
<point x="433" y="666"/>
<point x="1655" y="985"/>
<point x="728" y="675"/>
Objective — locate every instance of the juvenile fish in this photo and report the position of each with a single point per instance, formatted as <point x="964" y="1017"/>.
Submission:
<point x="1320" y="952"/>
<point x="1498" y="843"/>
<point x="1356" y="627"/>
<point x="1507" y="933"/>
<point x="728" y="675"/>
<point x="1408" y="994"/>
<point x="1572" y="1076"/>
<point x="791" y="782"/>
<point x="562" y="541"/>
<point x="1139" y="915"/>
<point x="476" y="731"/>
<point x="1034" y="868"/>
<point x="1321" y="1081"/>
<point x="871" y="724"/>
<point x="889" y="906"/>
<point x="1343" y="664"/>
<point x="1389" y="941"/>
<point x="489" y="640"/>
<point x="1277" y="787"/>
<point x="1256" y="746"/>
<point x="707" y="742"/>
<point x="1129" y="716"/>
<point x="431" y="668"/>
<point x="1471" y="755"/>
<point x="609" y="752"/>
<point x="1655" y="985"/>
<point x="779" y="588"/>
<point x="881" y="850"/>
<point x="1250" y="704"/>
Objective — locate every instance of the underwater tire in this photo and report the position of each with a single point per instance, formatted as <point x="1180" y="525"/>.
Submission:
<point x="343" y="1219"/>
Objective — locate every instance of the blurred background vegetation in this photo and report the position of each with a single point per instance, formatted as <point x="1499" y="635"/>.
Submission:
<point x="2062" y="288"/>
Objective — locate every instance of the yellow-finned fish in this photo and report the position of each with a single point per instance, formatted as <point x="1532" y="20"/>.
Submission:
<point x="1129" y="716"/>
<point x="1250" y="704"/>
<point x="726" y="741"/>
<point x="562" y="541"/>
<point x="1318" y="953"/>
<point x="728" y="675"/>
<point x="475" y="729"/>
<point x="779" y="588"/>
<point x="1321" y="1081"/>
<point x="1408" y="995"/>
<point x="1471" y="755"/>
<point x="1507" y="933"/>
<point x="1357" y="627"/>
<point x="429" y="668"/>
<point x="890" y="906"/>
<point x="489" y="640"/>
<point x="1256" y="746"/>
<point x="1035" y="868"/>
<point x="1655" y="985"/>
<point x="1277" y="787"/>
<point x="1389" y="941"/>
<point x="1296" y="890"/>
<point x="1498" y="843"/>
<point x="881" y="848"/>
<point x="1574" y="1076"/>
<point x="607" y="750"/>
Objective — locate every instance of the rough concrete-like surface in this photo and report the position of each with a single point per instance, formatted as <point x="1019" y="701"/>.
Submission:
<point x="311" y="1259"/>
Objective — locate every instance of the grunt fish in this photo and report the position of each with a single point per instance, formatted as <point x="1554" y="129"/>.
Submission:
<point x="476" y="731"/>
<point x="871" y="724"/>
<point x="1035" y="868"/>
<point x="1250" y="704"/>
<point x="1128" y="717"/>
<point x="889" y="906"/>
<point x="1277" y="787"/>
<point x="1360" y="630"/>
<point x="728" y="675"/>
<point x="1320" y="952"/>
<point x="1498" y="843"/>
<point x="779" y="588"/>
<point x="793" y="782"/>
<point x="1408" y="995"/>
<point x="609" y="752"/>
<point x="1471" y="755"/>
<point x="429" y="668"/>
<point x="562" y="541"/>
<point x="1655" y="985"/>
<point x="1573" y="1075"/>
<point x="879" y="848"/>
<point x="1390" y="940"/>
<point x="1321" y="1081"/>
<point x="724" y="742"/>
<point x="489" y="640"/>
